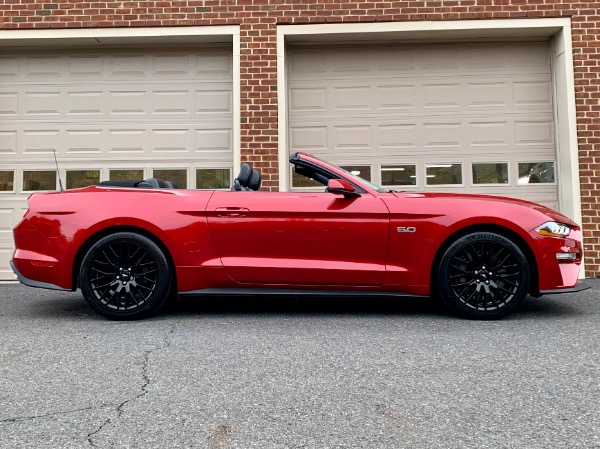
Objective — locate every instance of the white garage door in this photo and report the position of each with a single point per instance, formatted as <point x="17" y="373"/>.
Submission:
<point x="111" y="114"/>
<point x="474" y="117"/>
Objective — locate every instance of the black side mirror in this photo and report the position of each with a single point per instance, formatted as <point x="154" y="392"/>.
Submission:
<point x="341" y="187"/>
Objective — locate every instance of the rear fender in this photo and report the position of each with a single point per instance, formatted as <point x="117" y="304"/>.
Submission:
<point x="188" y="244"/>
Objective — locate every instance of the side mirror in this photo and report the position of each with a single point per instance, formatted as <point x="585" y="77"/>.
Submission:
<point x="339" y="186"/>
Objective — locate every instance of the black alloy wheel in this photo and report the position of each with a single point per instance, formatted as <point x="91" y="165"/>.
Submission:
<point x="483" y="275"/>
<point x="125" y="276"/>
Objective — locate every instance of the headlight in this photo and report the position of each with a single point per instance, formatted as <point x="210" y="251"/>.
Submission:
<point x="553" y="229"/>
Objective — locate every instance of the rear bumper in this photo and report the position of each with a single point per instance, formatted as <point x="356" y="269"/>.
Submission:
<point x="39" y="261"/>
<point x="37" y="284"/>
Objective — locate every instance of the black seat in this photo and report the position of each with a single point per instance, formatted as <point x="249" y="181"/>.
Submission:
<point x="156" y="183"/>
<point x="255" y="180"/>
<point x="132" y="183"/>
<point x="150" y="183"/>
<point x="241" y="182"/>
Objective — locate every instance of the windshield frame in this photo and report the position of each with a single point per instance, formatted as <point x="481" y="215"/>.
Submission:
<point x="375" y="187"/>
<point x="336" y="172"/>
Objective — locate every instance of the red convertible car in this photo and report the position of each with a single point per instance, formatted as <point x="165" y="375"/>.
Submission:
<point x="130" y="246"/>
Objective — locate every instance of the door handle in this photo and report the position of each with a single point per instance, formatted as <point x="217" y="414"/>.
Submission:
<point x="231" y="211"/>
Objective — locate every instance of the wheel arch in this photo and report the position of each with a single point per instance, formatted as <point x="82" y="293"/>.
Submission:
<point x="92" y="239"/>
<point x="504" y="231"/>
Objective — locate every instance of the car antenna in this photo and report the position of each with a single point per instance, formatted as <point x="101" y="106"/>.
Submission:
<point x="58" y="173"/>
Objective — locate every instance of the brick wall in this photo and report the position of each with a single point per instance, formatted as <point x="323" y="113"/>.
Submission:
<point x="258" y="20"/>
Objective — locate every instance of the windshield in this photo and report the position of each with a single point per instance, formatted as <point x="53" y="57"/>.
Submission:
<point x="355" y="177"/>
<point x="362" y="180"/>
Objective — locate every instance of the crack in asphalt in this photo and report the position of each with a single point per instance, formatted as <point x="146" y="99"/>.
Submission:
<point x="143" y="390"/>
<point x="48" y="415"/>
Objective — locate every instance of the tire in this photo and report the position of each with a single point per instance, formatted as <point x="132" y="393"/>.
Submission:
<point x="125" y="276"/>
<point x="483" y="275"/>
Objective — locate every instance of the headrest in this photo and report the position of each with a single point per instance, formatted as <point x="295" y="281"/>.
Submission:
<point x="156" y="183"/>
<point x="255" y="179"/>
<point x="132" y="183"/>
<point x="245" y="174"/>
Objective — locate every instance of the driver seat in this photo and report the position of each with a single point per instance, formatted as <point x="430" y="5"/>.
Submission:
<point x="240" y="183"/>
<point x="255" y="180"/>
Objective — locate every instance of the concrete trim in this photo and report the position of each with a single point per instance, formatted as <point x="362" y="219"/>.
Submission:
<point x="237" y="104"/>
<point x="566" y="125"/>
<point x="117" y="36"/>
<point x="424" y="30"/>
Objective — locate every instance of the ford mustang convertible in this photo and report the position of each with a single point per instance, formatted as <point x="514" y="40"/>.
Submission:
<point x="130" y="246"/>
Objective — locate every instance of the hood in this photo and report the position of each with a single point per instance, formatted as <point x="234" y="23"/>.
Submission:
<point x="551" y="213"/>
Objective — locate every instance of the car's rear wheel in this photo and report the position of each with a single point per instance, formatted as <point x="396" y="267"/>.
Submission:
<point x="125" y="276"/>
<point x="483" y="275"/>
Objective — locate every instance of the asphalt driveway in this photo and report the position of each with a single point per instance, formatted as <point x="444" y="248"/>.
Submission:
<point x="298" y="373"/>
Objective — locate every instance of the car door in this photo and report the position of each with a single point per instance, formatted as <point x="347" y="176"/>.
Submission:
<point x="313" y="239"/>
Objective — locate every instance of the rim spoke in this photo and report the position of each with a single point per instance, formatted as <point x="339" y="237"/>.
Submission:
<point x="109" y="260"/>
<point x="98" y="287"/>
<point x="103" y="273"/>
<point x="462" y="270"/>
<point x="506" y="281"/>
<point x="506" y="290"/>
<point x="136" y="303"/>
<point x="147" y="279"/>
<point x="112" y="296"/>
<point x="471" y="296"/>
<point x="471" y="254"/>
<point x="464" y="290"/>
<point x="502" y="263"/>
<point x="115" y="256"/>
<point x="146" y="288"/>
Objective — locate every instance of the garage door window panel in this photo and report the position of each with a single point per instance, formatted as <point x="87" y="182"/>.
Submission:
<point x="490" y="173"/>
<point x="176" y="176"/>
<point x="536" y="173"/>
<point x="7" y="181"/>
<point x="36" y="180"/>
<point x="443" y="174"/>
<point x="213" y="178"/>
<point x="82" y="178"/>
<point x="303" y="181"/>
<point x="398" y="175"/>
<point x="126" y="175"/>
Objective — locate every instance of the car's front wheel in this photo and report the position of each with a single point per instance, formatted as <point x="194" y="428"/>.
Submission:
<point x="483" y="275"/>
<point x="125" y="276"/>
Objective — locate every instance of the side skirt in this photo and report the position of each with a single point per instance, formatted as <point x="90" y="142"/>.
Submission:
<point x="293" y="292"/>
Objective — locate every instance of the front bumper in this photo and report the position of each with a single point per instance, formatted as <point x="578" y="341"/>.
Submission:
<point x="579" y="287"/>
<point x="557" y="274"/>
